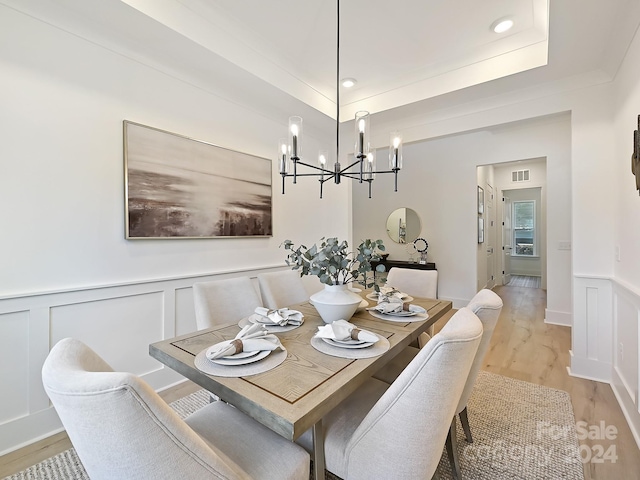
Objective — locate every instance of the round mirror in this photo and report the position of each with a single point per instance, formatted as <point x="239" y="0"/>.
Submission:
<point x="403" y="225"/>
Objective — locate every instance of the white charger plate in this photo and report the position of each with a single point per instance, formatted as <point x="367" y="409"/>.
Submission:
<point x="418" y="317"/>
<point x="241" y="361"/>
<point x="333" y="343"/>
<point x="242" y="355"/>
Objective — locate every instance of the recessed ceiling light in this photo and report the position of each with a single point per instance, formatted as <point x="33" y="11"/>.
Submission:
<point x="502" y="25"/>
<point x="349" y="82"/>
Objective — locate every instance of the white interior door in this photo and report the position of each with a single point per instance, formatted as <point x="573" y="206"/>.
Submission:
<point x="491" y="236"/>
<point x="507" y="236"/>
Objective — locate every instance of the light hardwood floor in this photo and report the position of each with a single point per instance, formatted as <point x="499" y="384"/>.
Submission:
<point x="522" y="347"/>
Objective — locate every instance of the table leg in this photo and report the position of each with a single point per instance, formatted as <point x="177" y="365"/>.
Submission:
<point x="318" y="451"/>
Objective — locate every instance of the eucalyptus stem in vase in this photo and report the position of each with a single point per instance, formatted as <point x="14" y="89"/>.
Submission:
<point x="336" y="267"/>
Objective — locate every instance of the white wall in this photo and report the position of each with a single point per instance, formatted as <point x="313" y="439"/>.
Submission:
<point x="64" y="100"/>
<point x="439" y="182"/>
<point x="626" y="266"/>
<point x="66" y="268"/>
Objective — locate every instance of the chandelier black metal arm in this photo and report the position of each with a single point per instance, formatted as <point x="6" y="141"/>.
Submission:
<point x="289" y="151"/>
<point x="337" y="174"/>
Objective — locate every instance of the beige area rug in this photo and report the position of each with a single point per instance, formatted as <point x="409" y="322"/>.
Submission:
<point x="514" y="424"/>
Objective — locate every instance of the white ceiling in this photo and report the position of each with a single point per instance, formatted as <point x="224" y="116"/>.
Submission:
<point x="403" y="53"/>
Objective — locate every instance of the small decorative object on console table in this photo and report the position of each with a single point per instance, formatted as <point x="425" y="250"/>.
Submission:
<point x="335" y="266"/>
<point x="421" y="247"/>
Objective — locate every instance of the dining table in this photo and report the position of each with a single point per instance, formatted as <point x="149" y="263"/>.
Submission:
<point x="294" y="395"/>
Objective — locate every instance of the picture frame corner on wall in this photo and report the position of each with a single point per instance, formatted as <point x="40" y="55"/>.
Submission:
<point x="177" y="187"/>
<point x="480" y="229"/>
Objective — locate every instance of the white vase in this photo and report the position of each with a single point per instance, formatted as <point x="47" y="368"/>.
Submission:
<point x="335" y="302"/>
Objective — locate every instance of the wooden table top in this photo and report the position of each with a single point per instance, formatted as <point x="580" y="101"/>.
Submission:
<point x="290" y="398"/>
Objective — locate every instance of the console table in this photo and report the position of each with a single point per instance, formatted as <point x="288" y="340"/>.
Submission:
<point x="388" y="264"/>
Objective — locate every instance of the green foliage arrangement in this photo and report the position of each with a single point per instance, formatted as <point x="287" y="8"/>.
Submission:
<point x="333" y="264"/>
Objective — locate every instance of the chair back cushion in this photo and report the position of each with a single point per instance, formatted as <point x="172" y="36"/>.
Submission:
<point x="403" y="435"/>
<point x="282" y="289"/>
<point x="224" y="301"/>
<point x="487" y="305"/>
<point x="417" y="283"/>
<point x="119" y="426"/>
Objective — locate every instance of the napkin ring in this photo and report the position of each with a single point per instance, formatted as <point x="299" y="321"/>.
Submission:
<point x="354" y="333"/>
<point x="237" y="344"/>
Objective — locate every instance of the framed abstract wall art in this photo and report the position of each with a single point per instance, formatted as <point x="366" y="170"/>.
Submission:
<point x="177" y="187"/>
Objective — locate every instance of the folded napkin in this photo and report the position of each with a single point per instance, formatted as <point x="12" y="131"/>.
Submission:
<point x="343" y="330"/>
<point x="390" y="294"/>
<point x="281" y="316"/>
<point x="253" y="337"/>
<point x="396" y="307"/>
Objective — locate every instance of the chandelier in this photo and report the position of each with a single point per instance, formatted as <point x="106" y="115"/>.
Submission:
<point x="363" y="169"/>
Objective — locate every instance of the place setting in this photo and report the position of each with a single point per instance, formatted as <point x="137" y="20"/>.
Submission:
<point x="398" y="311"/>
<point x="389" y="294"/>
<point x="253" y="350"/>
<point x="274" y="320"/>
<point x="343" y="339"/>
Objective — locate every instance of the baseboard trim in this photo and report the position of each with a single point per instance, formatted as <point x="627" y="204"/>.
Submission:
<point x="553" y="317"/>
<point x="628" y="416"/>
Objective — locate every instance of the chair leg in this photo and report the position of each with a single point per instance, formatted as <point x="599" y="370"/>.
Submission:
<point x="452" y="451"/>
<point x="464" y="419"/>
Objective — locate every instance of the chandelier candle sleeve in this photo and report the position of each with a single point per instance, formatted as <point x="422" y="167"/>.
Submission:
<point x="282" y="153"/>
<point x="395" y="151"/>
<point x="362" y="134"/>
<point x="295" y="134"/>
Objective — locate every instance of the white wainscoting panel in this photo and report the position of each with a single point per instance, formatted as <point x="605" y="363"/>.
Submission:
<point x="591" y="335"/>
<point x="14" y="358"/>
<point x="117" y="321"/>
<point x="626" y="364"/>
<point x="119" y="329"/>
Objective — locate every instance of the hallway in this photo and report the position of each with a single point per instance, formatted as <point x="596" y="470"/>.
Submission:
<point x="526" y="348"/>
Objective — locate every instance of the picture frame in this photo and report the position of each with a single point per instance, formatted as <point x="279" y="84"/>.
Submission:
<point x="480" y="200"/>
<point x="480" y="230"/>
<point x="177" y="187"/>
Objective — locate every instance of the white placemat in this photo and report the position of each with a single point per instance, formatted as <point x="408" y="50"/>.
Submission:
<point x="205" y="365"/>
<point x="270" y="328"/>
<point x="381" y="346"/>
<point x="418" y="317"/>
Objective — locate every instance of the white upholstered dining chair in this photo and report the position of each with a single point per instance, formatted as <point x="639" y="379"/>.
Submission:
<point x="224" y="301"/>
<point x="417" y="283"/>
<point x="282" y="289"/>
<point x="121" y="428"/>
<point x="487" y="305"/>
<point x="399" y="430"/>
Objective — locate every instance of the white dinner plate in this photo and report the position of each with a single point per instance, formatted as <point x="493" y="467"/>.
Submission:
<point x="403" y="313"/>
<point x="349" y="341"/>
<point x="242" y="361"/>
<point x="332" y="342"/>
<point x="241" y="355"/>
<point x="374" y="296"/>
<point x="418" y="317"/>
